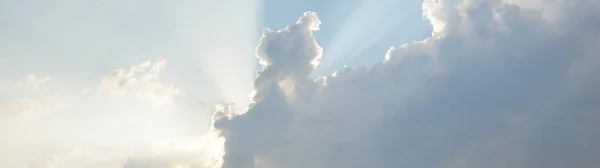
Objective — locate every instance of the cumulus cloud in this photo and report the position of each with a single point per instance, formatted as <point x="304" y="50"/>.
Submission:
<point x="141" y="79"/>
<point x="498" y="84"/>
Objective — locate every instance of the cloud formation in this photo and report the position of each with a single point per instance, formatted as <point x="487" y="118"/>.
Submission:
<point x="141" y="80"/>
<point x="129" y="118"/>
<point x="499" y="84"/>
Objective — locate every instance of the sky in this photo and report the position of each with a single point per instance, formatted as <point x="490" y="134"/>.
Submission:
<point x="299" y="83"/>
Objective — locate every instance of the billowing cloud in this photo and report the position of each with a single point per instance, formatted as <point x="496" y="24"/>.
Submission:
<point x="500" y="83"/>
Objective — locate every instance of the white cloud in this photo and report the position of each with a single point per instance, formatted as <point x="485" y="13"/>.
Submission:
<point x="495" y="86"/>
<point x="142" y="80"/>
<point x="501" y="83"/>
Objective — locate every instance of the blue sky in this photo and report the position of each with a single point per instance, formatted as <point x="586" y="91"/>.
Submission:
<point x="157" y="84"/>
<point x="405" y="18"/>
<point x="101" y="34"/>
<point x="58" y="38"/>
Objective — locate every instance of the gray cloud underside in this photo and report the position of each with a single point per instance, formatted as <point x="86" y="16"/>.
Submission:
<point x="497" y="86"/>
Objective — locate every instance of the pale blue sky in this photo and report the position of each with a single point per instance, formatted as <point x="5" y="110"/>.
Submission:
<point x="77" y="42"/>
<point x="406" y="17"/>
<point x="97" y="36"/>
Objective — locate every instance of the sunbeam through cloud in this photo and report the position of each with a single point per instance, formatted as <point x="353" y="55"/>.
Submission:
<point x="359" y="31"/>
<point x="498" y="83"/>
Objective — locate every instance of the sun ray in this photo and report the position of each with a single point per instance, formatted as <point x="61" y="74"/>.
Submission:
<point x="364" y="23"/>
<point x="226" y="54"/>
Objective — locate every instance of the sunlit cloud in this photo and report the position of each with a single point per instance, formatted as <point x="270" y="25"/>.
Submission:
<point x="439" y="102"/>
<point x="141" y="79"/>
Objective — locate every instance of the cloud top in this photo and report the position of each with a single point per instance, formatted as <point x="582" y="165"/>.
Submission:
<point x="492" y="87"/>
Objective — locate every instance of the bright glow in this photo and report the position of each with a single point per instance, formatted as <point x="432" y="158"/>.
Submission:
<point x="84" y="86"/>
<point x="131" y="114"/>
<point x="226" y="50"/>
